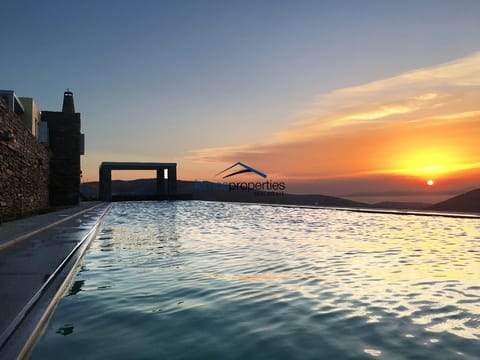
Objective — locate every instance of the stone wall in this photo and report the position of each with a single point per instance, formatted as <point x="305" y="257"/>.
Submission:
<point x="24" y="168"/>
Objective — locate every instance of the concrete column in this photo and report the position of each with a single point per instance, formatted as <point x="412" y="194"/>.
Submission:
<point x="101" y="184"/>
<point x="172" y="180"/>
<point x="108" y="187"/>
<point x="105" y="186"/>
<point x="160" y="182"/>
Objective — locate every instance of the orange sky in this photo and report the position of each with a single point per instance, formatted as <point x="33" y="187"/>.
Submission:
<point x="390" y="148"/>
<point x="424" y="124"/>
<point x="386" y="136"/>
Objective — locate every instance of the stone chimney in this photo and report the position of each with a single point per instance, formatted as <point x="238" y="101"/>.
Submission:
<point x="68" y="106"/>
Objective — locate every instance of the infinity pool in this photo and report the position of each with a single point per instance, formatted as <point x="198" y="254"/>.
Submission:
<point x="206" y="280"/>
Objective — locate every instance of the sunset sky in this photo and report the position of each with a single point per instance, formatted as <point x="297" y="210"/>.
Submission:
<point x="350" y="98"/>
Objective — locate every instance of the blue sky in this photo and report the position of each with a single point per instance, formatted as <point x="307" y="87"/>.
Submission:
<point x="157" y="80"/>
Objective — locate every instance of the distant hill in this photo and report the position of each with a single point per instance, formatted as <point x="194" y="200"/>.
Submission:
<point x="399" y="205"/>
<point x="217" y="192"/>
<point x="467" y="202"/>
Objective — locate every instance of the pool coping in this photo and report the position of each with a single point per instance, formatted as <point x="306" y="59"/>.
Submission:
<point x="19" y="338"/>
<point x="23" y="236"/>
<point x="403" y="212"/>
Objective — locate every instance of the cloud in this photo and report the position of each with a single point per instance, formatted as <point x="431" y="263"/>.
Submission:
<point x="422" y="93"/>
<point x="375" y="127"/>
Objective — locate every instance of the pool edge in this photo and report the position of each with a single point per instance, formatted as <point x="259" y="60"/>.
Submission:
<point x="31" y="327"/>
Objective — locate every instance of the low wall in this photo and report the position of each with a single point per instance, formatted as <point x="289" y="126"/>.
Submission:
<point x="24" y="168"/>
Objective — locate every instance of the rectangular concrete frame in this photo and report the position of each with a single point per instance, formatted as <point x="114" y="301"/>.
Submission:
<point x="105" y="176"/>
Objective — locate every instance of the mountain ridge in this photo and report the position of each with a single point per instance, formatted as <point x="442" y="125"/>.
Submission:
<point x="205" y="190"/>
<point x="465" y="202"/>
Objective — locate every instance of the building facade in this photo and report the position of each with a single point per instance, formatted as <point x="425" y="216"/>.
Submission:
<point x="65" y="143"/>
<point x="13" y="102"/>
<point x="31" y="115"/>
<point x="25" y="107"/>
<point x="39" y="155"/>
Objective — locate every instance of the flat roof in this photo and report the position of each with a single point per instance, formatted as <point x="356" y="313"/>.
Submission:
<point x="136" y="165"/>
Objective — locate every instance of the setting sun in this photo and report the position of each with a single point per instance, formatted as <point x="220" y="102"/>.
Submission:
<point x="431" y="161"/>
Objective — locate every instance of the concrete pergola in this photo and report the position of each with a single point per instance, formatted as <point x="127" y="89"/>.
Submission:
<point x="105" y="176"/>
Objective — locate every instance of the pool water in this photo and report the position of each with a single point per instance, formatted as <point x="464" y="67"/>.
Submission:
<point x="207" y="280"/>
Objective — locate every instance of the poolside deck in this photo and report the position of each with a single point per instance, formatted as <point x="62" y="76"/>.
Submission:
<point x="38" y="255"/>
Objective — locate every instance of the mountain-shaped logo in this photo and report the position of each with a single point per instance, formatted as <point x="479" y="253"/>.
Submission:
<point x="244" y="169"/>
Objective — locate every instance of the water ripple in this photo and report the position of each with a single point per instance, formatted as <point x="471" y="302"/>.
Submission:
<point x="217" y="280"/>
